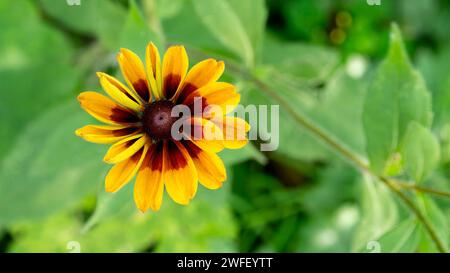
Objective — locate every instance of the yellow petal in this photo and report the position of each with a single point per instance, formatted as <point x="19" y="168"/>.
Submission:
<point x="121" y="173"/>
<point x="210" y="168"/>
<point x="234" y="131"/>
<point x="134" y="73"/>
<point x="175" y="65"/>
<point x="153" y="62"/>
<point x="219" y="94"/>
<point x="201" y="74"/>
<point x="105" y="134"/>
<point x="125" y="148"/>
<point x="119" y="92"/>
<point x="206" y="135"/>
<point x="106" y="110"/>
<point x="149" y="187"/>
<point x="180" y="175"/>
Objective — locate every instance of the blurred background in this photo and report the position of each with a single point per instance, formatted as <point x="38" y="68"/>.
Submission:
<point x="299" y="198"/>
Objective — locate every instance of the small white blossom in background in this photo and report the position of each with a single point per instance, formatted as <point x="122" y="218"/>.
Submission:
<point x="356" y="66"/>
<point x="347" y="217"/>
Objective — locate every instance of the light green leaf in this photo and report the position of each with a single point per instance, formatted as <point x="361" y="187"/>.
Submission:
<point x="396" y="96"/>
<point x="167" y="9"/>
<point x="179" y="233"/>
<point x="232" y="157"/>
<point x="379" y="213"/>
<point x="34" y="75"/>
<point x="101" y="19"/>
<point x="434" y="67"/>
<point x="420" y="151"/>
<point x="438" y="220"/>
<point x="51" y="234"/>
<point x="136" y="34"/>
<point x="404" y="237"/>
<point x="49" y="169"/>
<point x="253" y="15"/>
<point x="60" y="232"/>
<point x="343" y="95"/>
<point x="214" y="229"/>
<point x="110" y="205"/>
<point x="229" y="22"/>
<point x="299" y="62"/>
<point x="194" y="34"/>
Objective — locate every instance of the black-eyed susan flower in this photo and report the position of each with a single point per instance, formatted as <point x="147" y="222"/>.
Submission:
<point x="139" y="124"/>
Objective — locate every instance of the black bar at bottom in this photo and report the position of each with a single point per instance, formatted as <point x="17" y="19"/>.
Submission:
<point x="222" y="262"/>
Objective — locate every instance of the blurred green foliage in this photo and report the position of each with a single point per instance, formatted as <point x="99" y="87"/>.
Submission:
<point x="324" y="56"/>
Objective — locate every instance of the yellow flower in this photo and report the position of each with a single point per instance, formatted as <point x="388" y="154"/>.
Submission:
<point x="139" y="123"/>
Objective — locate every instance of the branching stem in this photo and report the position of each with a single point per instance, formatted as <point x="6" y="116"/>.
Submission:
<point x="343" y="151"/>
<point x="354" y="159"/>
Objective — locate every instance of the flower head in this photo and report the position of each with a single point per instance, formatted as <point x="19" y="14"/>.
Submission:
<point x="140" y="125"/>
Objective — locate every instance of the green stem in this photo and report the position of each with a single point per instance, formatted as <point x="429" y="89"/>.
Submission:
<point x="153" y="20"/>
<point x="350" y="156"/>
<point x="412" y="186"/>
<point x="339" y="148"/>
<point x="429" y="228"/>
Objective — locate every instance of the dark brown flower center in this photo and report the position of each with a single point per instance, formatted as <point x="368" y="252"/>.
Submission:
<point x="157" y="120"/>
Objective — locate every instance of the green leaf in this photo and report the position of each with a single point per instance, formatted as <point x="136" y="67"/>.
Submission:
<point x="334" y="185"/>
<point x="34" y="75"/>
<point x="61" y="231"/>
<point x="167" y="9"/>
<point x="420" y="151"/>
<point x="396" y="96"/>
<point x="49" y="169"/>
<point x="194" y="34"/>
<point x="101" y="19"/>
<point x="433" y="65"/>
<point x="208" y="234"/>
<point x="232" y="157"/>
<point x="110" y="205"/>
<point x="143" y="232"/>
<point x="135" y="34"/>
<point x="379" y="213"/>
<point x="179" y="233"/>
<point x="51" y="234"/>
<point x="437" y="219"/>
<point x="404" y="237"/>
<point x="343" y="95"/>
<point x="299" y="62"/>
<point x="231" y="23"/>
<point x="253" y="15"/>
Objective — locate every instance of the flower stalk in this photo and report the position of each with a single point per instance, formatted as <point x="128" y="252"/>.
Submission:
<point x="359" y="163"/>
<point x="353" y="159"/>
